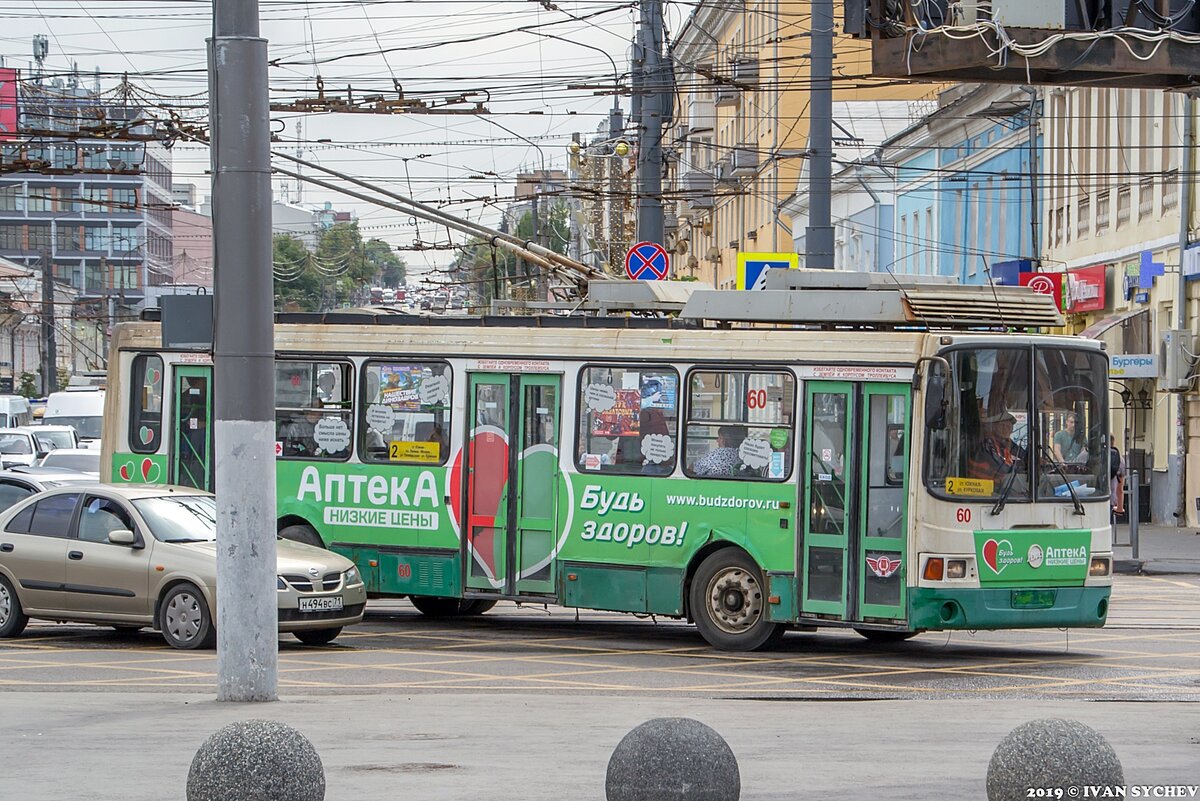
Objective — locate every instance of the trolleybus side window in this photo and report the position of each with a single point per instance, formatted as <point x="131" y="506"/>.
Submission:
<point x="406" y="412"/>
<point x="740" y="425"/>
<point x="628" y="420"/>
<point x="313" y="409"/>
<point x="145" y="420"/>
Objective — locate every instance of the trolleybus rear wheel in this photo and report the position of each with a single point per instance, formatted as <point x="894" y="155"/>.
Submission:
<point x="476" y="607"/>
<point x="882" y="636"/>
<point x="728" y="602"/>
<point x="441" y="607"/>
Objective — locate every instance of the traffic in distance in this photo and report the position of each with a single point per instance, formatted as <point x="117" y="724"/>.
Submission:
<point x="891" y="480"/>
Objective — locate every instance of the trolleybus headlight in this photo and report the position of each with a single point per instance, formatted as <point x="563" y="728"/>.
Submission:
<point x="1101" y="566"/>
<point x="280" y="584"/>
<point x="934" y="568"/>
<point x="956" y="568"/>
<point x="351" y="577"/>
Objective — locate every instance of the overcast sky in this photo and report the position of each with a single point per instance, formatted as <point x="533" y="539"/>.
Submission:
<point x="435" y="49"/>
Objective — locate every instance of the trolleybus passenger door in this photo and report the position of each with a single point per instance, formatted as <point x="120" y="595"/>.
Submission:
<point x="883" y="531"/>
<point x="191" y="452"/>
<point x="488" y="474"/>
<point x="537" y="483"/>
<point x="829" y="487"/>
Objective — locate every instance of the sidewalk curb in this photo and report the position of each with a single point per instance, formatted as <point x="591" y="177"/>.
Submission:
<point x="1155" y="567"/>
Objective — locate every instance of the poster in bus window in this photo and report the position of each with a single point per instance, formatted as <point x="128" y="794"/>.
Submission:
<point x="659" y="391"/>
<point x="399" y="386"/>
<point x="622" y="419"/>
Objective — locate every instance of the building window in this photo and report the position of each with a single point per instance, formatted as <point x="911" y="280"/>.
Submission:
<point x="628" y="420"/>
<point x="39" y="198"/>
<point x="67" y="237"/>
<point x="12" y="237"/>
<point x="39" y="237"/>
<point x="12" y="198"/>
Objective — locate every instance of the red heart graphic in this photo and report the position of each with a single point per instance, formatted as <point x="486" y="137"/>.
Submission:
<point x="146" y="465"/>
<point x="125" y="472"/>
<point x="990" y="548"/>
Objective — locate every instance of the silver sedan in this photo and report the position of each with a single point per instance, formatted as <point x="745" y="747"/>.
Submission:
<point x="142" y="556"/>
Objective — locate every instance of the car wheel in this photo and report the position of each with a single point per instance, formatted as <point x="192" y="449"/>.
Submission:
<point x="729" y="603"/>
<point x="881" y="636"/>
<point x="184" y="619"/>
<point x="438" y="607"/>
<point x="302" y="533"/>
<point x="12" y="619"/>
<point x="476" y="607"/>
<point x="318" y="636"/>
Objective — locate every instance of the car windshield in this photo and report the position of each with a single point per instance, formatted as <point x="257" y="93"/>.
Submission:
<point x="49" y="440"/>
<point x="15" y="443"/>
<point x="87" y="462"/>
<point x="85" y="427"/>
<point x="998" y="439"/>
<point x="180" y="518"/>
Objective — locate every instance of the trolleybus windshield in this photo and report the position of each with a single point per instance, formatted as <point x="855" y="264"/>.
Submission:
<point x="1021" y="423"/>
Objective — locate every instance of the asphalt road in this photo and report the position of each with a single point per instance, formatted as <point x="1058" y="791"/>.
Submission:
<point x="1147" y="652"/>
<point x="525" y="704"/>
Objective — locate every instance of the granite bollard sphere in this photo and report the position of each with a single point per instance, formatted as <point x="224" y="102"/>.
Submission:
<point x="1051" y="753"/>
<point x="672" y="759"/>
<point x="256" y="760"/>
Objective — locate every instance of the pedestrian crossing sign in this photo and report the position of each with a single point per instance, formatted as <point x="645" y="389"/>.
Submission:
<point x="752" y="267"/>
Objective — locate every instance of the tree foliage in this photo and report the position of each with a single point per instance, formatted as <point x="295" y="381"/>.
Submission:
<point x="339" y="272"/>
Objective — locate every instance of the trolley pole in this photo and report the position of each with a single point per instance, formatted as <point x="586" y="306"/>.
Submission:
<point x="247" y="618"/>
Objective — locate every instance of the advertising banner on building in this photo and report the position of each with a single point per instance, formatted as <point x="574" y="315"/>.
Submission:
<point x="1083" y="290"/>
<point x="1045" y="284"/>
<point x="8" y="103"/>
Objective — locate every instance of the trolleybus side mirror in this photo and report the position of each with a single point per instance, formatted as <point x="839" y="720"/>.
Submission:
<point x="935" y="400"/>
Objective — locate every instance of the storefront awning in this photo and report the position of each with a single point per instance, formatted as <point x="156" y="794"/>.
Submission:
<point x="1099" y="327"/>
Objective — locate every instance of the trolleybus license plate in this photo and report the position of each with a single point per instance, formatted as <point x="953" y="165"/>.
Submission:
<point x="333" y="604"/>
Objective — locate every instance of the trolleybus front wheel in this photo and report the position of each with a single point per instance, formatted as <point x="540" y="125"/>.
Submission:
<point x="301" y="533"/>
<point x="728" y="602"/>
<point x="882" y="636"/>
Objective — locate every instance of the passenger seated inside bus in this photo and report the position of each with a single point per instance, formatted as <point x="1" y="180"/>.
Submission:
<point x="432" y="432"/>
<point x="653" y="421"/>
<point x="722" y="460"/>
<point x="296" y="433"/>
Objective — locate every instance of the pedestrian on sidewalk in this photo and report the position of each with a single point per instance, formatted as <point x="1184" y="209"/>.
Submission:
<point x="1116" y="479"/>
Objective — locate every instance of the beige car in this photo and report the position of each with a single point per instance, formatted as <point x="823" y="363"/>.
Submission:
<point x="137" y="556"/>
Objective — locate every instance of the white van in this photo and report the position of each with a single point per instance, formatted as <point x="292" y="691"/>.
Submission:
<point x="15" y="411"/>
<point x="83" y="410"/>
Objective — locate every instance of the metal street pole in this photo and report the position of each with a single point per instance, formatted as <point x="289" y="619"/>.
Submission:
<point x="818" y="239"/>
<point x="244" y="357"/>
<point x="49" y="344"/>
<point x="1187" y="179"/>
<point x="653" y="109"/>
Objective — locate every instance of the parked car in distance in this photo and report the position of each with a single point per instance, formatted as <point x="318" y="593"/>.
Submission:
<point x="51" y="437"/>
<point x="18" y="484"/>
<point x="19" y="447"/>
<point x="81" y="459"/>
<point x="138" y="556"/>
<point x="15" y="411"/>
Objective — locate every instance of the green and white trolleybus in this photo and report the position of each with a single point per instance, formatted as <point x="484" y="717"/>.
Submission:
<point x="884" y="461"/>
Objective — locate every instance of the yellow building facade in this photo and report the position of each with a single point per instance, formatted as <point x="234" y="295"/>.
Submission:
<point x="740" y="129"/>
